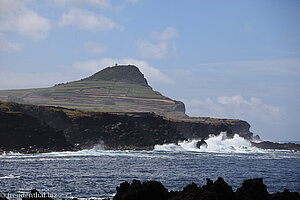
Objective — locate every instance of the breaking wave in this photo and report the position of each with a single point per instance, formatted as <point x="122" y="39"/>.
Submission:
<point x="217" y="144"/>
<point x="9" y="177"/>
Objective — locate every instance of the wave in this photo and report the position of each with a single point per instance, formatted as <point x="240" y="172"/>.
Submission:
<point x="217" y="144"/>
<point x="9" y="176"/>
<point x="96" y="151"/>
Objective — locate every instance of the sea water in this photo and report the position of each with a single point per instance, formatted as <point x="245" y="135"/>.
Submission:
<point x="95" y="173"/>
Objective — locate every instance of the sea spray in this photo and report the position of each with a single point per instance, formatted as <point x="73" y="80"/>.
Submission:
<point x="220" y="143"/>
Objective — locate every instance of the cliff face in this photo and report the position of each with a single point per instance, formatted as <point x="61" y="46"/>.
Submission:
<point x="202" y="129"/>
<point x="24" y="133"/>
<point x="61" y="128"/>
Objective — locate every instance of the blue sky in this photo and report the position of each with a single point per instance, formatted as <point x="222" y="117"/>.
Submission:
<point x="227" y="59"/>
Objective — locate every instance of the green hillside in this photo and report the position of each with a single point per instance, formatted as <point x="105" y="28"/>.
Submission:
<point x="114" y="89"/>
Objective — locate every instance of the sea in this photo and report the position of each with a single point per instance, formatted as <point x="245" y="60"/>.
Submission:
<point x="95" y="173"/>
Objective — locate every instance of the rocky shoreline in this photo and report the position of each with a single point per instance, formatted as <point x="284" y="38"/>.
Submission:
<point x="39" y="129"/>
<point x="251" y="189"/>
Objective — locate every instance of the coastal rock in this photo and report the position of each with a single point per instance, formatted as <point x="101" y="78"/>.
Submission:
<point x="211" y="191"/>
<point x="35" y="195"/>
<point x="2" y="197"/>
<point x="148" y="190"/>
<point x="48" y="128"/>
<point x="27" y="134"/>
<point x="252" y="189"/>
<point x="200" y="143"/>
<point x="274" y="145"/>
<point x="285" y="195"/>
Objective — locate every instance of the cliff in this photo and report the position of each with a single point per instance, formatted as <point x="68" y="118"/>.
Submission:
<point x="62" y="128"/>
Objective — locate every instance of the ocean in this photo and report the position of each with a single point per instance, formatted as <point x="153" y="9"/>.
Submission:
<point x="95" y="173"/>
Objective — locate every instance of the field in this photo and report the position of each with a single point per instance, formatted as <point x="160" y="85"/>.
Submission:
<point x="104" y="96"/>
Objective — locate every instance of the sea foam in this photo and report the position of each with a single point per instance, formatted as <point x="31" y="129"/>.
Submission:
<point x="220" y="143"/>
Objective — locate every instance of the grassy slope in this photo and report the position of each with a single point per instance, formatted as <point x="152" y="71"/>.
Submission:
<point x="107" y="96"/>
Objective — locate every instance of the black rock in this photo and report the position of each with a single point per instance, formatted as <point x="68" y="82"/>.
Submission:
<point x="200" y="143"/>
<point x="274" y="145"/>
<point x="285" y="195"/>
<point x="149" y="190"/>
<point x="252" y="189"/>
<point x="35" y="195"/>
<point x="2" y="197"/>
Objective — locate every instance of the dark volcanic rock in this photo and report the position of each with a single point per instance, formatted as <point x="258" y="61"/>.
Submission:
<point x="35" y="195"/>
<point x="200" y="143"/>
<point x="201" y="128"/>
<point x="285" y="195"/>
<point x="274" y="145"/>
<point x="26" y="134"/>
<point x="252" y="189"/>
<point x="211" y="191"/>
<point x="29" y="129"/>
<point x="2" y="197"/>
<point x="149" y="190"/>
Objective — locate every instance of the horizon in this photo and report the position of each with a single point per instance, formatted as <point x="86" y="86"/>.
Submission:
<point x="230" y="59"/>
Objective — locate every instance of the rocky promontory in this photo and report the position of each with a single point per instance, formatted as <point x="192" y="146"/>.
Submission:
<point x="29" y="128"/>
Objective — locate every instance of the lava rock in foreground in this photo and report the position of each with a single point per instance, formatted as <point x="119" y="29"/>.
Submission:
<point x="251" y="189"/>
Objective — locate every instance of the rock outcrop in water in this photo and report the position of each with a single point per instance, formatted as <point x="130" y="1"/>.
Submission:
<point x="251" y="189"/>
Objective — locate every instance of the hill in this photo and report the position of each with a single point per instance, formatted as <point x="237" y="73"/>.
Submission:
<point x="120" y="88"/>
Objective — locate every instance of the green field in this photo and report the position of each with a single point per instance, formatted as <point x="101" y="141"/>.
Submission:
<point x="105" y="96"/>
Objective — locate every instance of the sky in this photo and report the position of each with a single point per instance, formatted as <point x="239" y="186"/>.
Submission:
<point x="225" y="59"/>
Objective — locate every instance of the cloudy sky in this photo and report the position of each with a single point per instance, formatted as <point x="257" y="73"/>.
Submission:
<point x="228" y="59"/>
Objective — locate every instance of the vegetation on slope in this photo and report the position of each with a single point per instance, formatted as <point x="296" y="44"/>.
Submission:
<point x="114" y="89"/>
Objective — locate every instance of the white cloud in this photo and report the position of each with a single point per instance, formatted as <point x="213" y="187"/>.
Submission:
<point x="15" y="16"/>
<point x="94" y="3"/>
<point x="148" y="50"/>
<point x="152" y="74"/>
<point x="168" y="34"/>
<point x="163" y="46"/>
<point x="8" y="46"/>
<point x="235" y="100"/>
<point x="234" y="107"/>
<point x="94" y="48"/>
<point x="87" y="20"/>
